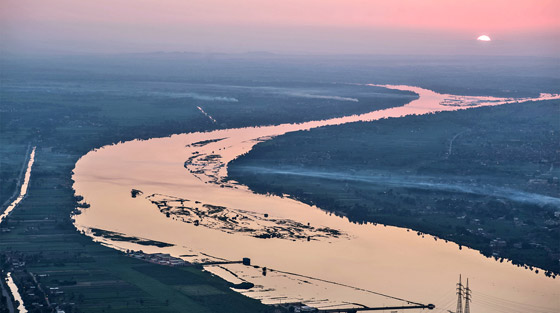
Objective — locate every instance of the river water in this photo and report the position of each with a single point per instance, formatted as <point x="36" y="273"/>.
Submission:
<point x="23" y="188"/>
<point x="15" y="292"/>
<point x="186" y="201"/>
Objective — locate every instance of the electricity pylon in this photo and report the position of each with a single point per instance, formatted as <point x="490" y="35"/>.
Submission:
<point x="459" y="297"/>
<point x="467" y="298"/>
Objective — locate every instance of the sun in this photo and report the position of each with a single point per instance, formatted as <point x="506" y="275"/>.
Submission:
<point x="483" y="38"/>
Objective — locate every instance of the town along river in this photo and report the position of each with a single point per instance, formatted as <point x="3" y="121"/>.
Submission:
<point x="187" y="203"/>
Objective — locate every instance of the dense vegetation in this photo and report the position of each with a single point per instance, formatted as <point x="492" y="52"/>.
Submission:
<point x="486" y="178"/>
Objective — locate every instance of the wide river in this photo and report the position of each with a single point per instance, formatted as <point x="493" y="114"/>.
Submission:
<point x="187" y="202"/>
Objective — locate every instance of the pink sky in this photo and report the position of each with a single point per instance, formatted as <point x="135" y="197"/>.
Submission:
<point x="302" y="26"/>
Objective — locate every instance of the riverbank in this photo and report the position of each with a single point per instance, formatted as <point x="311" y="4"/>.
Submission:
<point x="484" y="178"/>
<point x="11" y="187"/>
<point x="188" y="183"/>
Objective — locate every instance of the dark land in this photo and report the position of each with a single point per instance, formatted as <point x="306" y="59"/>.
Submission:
<point x="69" y="105"/>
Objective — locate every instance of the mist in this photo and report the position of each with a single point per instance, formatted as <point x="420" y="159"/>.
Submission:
<point x="414" y="182"/>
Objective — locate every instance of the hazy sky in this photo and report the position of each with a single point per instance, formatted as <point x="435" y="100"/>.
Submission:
<point x="517" y="27"/>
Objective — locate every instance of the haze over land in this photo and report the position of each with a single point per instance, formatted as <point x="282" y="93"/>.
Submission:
<point x="279" y="156"/>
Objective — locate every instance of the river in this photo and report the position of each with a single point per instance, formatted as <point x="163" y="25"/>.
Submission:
<point x="187" y="201"/>
<point x="15" y="292"/>
<point x="23" y="188"/>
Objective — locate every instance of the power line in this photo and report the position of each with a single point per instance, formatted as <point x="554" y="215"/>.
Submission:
<point x="344" y="285"/>
<point x="506" y="302"/>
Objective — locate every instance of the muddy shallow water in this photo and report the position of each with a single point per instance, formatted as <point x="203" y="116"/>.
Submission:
<point x="186" y="201"/>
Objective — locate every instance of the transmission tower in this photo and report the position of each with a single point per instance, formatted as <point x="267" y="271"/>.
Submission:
<point x="459" y="297"/>
<point x="467" y="298"/>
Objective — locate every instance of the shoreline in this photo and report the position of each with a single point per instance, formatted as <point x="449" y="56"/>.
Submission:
<point x="208" y="174"/>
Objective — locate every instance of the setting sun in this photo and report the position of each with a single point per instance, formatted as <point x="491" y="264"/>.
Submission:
<point x="483" y="38"/>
